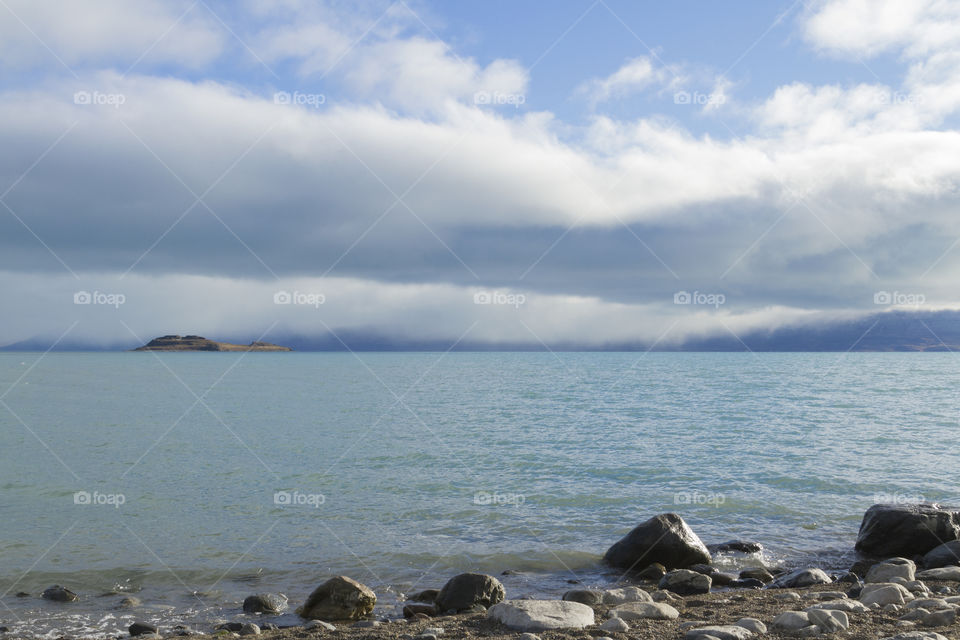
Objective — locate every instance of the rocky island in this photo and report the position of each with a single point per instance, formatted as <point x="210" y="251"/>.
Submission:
<point x="199" y="343"/>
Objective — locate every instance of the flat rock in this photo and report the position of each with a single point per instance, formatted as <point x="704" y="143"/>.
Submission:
<point x="941" y="618"/>
<point x="468" y="589"/>
<point x="848" y="605"/>
<point x="756" y="573"/>
<point x="893" y="568"/>
<point x="413" y="608"/>
<point x="541" y="615"/>
<point x="720" y="632"/>
<point x="665" y="538"/>
<point x="906" y="529"/>
<point x="339" y="598"/>
<point x="801" y="578"/>
<point x="685" y="582"/>
<point x="942" y="573"/>
<point x="645" y="610"/>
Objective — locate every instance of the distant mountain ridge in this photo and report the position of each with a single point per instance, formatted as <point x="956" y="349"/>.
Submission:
<point x="887" y="331"/>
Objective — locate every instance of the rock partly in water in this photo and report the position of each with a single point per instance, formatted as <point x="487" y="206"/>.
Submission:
<point x="741" y="546"/>
<point x="892" y="568"/>
<point x="141" y="629"/>
<point x="468" y="589"/>
<point x="665" y="539"/>
<point x="249" y="629"/>
<point x="427" y="595"/>
<point x="906" y="529"/>
<point x="265" y="603"/>
<point x="541" y="615"/>
<point x="801" y="578"/>
<point x="685" y="582"/>
<point x="57" y="593"/>
<point x="339" y="598"/>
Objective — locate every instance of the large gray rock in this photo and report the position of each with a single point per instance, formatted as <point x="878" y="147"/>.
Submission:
<point x="791" y="621"/>
<point x="613" y="597"/>
<point x="906" y="529"/>
<point x="944" y="555"/>
<point x="468" y="589"/>
<point x="265" y="603"/>
<point x="801" y="578"/>
<point x="884" y="593"/>
<point x="339" y="598"/>
<point x="685" y="582"/>
<point x="892" y="568"/>
<point x="541" y="615"/>
<point x="665" y="538"/>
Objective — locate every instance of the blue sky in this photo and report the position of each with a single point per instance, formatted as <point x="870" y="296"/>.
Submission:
<point x="594" y="159"/>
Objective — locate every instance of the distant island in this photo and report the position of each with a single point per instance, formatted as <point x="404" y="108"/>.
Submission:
<point x="199" y="343"/>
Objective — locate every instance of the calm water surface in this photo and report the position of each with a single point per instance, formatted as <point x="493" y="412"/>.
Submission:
<point x="196" y="479"/>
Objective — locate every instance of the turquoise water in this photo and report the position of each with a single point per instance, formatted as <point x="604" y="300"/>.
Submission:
<point x="402" y="469"/>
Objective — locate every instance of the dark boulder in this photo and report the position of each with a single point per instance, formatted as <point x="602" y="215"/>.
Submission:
<point x="468" y="589"/>
<point x="906" y="529"/>
<point x="946" y="555"/>
<point x="57" y="593"/>
<point x="141" y="629"/>
<point x="741" y="546"/>
<point x="265" y="603"/>
<point x="665" y="538"/>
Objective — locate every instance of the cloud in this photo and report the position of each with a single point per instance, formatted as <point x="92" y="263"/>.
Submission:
<point x="635" y="75"/>
<point x="83" y="34"/>
<point x="869" y="27"/>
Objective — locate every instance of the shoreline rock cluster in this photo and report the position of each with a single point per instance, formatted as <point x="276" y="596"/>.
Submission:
<point x="668" y="571"/>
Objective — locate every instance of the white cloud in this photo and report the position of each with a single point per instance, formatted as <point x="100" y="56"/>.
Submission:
<point x="633" y="76"/>
<point x="869" y="27"/>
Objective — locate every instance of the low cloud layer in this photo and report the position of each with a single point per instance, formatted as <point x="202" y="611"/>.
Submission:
<point x="399" y="178"/>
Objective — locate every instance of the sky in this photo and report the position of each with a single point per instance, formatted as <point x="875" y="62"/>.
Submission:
<point x="587" y="172"/>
